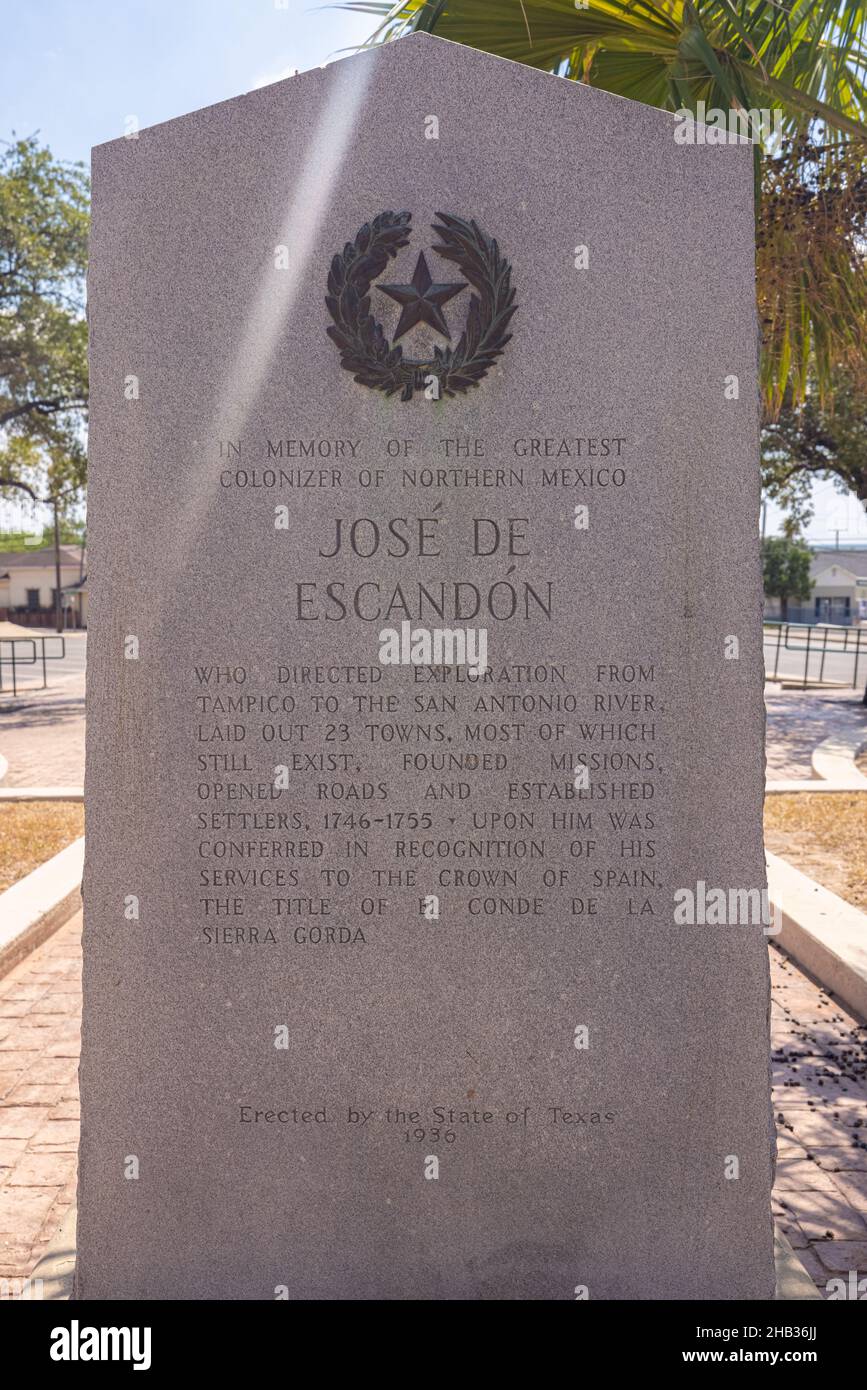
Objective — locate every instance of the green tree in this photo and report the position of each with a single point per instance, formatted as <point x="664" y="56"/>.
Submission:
<point x="72" y="533"/>
<point x="811" y="272"/>
<point x="816" y="440"/>
<point x="805" y="58"/>
<point x="43" y="332"/>
<point x="786" y="571"/>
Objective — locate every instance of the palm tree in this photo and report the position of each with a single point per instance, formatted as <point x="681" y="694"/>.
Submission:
<point x="805" y="58"/>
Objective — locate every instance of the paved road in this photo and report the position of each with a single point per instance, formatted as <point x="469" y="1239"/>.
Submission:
<point x="838" y="666"/>
<point x="58" y="669"/>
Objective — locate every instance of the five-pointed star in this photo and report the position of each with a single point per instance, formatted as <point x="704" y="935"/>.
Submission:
<point x="421" y="301"/>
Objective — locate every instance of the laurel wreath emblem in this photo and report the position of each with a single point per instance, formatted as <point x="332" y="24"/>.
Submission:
<point x="366" y="351"/>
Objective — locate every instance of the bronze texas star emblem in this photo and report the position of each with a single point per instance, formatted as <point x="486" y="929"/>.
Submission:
<point x="366" y="351"/>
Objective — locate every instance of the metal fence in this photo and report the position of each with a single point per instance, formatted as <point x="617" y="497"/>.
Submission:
<point x="843" y="648"/>
<point x="21" y="652"/>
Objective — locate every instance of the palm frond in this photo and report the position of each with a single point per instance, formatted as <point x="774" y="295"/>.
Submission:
<point x="806" y="59"/>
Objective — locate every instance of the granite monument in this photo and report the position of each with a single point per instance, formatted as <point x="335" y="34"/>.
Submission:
<point x="425" y="945"/>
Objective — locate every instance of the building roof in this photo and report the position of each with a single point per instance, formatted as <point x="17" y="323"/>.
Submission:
<point x="835" y="574"/>
<point x="38" y="559"/>
<point x="852" y="558"/>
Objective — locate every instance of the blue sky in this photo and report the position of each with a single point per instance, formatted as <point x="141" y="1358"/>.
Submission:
<point x="75" y="70"/>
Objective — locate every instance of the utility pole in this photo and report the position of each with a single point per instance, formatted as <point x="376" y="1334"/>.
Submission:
<point x="47" y="502"/>
<point x="58" y="598"/>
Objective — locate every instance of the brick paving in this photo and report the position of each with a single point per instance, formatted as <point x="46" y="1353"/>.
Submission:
<point x="42" y="731"/>
<point x="40" y="1010"/>
<point x="799" y="721"/>
<point x="42" y="736"/>
<point x="820" y="1104"/>
<point x="820" y="1090"/>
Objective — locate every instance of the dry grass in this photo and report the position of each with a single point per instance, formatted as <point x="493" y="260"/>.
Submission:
<point x="825" y="835"/>
<point x="32" y="831"/>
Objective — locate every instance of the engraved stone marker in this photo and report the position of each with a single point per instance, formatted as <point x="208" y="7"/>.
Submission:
<point x="424" y="953"/>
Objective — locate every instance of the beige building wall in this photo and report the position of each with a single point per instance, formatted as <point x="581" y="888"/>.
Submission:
<point x="13" y="591"/>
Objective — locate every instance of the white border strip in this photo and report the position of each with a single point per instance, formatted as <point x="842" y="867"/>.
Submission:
<point x="824" y="933"/>
<point x="37" y="905"/>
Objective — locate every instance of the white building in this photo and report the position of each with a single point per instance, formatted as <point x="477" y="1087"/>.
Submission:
<point x="839" y="593"/>
<point x="27" y="582"/>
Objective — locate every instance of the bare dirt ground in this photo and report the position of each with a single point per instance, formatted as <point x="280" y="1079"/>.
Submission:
<point x="33" y="831"/>
<point x="824" y="836"/>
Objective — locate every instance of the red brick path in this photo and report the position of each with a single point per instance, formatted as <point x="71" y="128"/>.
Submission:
<point x="40" y="1008"/>
<point x="820" y="1102"/>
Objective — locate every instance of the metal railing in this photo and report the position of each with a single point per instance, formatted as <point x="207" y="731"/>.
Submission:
<point x="819" y="640"/>
<point x="15" y="661"/>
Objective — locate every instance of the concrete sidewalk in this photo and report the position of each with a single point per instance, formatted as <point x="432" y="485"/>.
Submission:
<point x="42" y="735"/>
<point x="799" y="721"/>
